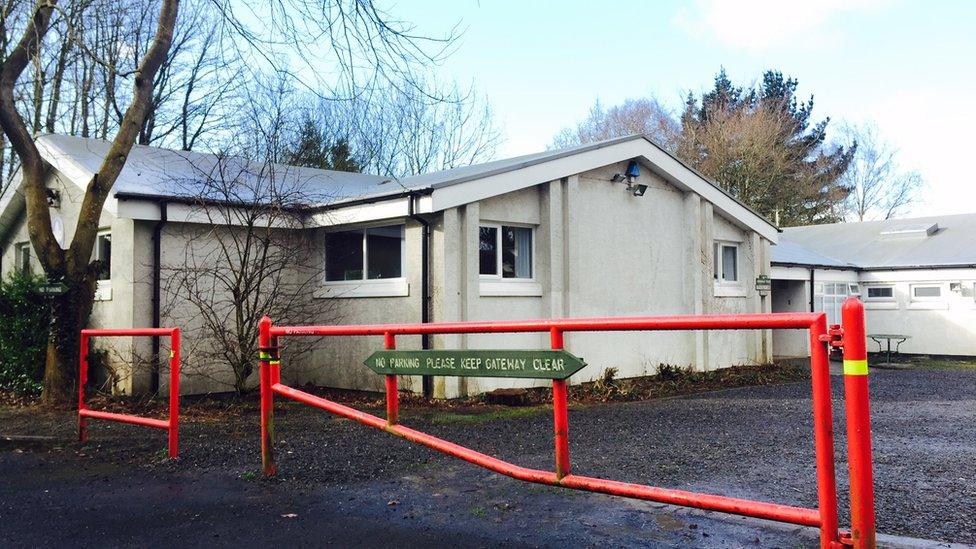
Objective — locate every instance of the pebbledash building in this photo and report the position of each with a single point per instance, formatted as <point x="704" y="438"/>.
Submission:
<point x="619" y="227"/>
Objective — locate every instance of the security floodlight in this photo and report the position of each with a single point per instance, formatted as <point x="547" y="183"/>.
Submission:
<point x="633" y="170"/>
<point x="639" y="190"/>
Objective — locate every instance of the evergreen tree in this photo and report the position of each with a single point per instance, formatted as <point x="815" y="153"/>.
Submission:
<point x="758" y="143"/>
<point x="312" y="149"/>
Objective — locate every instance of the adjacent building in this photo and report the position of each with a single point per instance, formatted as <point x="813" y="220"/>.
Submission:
<point x="917" y="278"/>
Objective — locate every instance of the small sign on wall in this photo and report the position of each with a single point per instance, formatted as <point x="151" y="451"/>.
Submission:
<point x="763" y="284"/>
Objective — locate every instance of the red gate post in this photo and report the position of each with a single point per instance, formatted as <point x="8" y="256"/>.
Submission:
<point x="82" y="380"/>
<point x="823" y="432"/>
<point x="559" y="413"/>
<point x="267" y="398"/>
<point x="858" y="425"/>
<point x="174" y="393"/>
<point x="392" y="396"/>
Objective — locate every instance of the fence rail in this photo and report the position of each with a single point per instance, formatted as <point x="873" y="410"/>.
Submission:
<point x="171" y="424"/>
<point x="824" y="517"/>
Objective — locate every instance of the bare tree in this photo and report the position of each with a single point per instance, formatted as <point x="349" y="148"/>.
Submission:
<point x="121" y="79"/>
<point x="389" y="131"/>
<point x="72" y="266"/>
<point x="879" y="187"/>
<point x="399" y="133"/>
<point x="645" y="116"/>
<point x="246" y="256"/>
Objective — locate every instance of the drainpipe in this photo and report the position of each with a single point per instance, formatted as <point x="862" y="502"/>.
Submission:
<point x="156" y="305"/>
<point x="812" y="291"/>
<point x="425" y="302"/>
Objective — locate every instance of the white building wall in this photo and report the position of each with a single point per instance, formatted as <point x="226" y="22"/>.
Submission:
<point x="943" y="326"/>
<point x="599" y="251"/>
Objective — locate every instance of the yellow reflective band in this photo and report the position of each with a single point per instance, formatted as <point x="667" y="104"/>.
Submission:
<point x="275" y="362"/>
<point x="172" y="353"/>
<point x="856" y="367"/>
<point x="263" y="356"/>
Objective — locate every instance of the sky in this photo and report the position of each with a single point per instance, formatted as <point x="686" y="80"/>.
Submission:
<point x="908" y="66"/>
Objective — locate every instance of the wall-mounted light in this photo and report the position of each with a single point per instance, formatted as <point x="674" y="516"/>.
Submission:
<point x="630" y="176"/>
<point x="633" y="171"/>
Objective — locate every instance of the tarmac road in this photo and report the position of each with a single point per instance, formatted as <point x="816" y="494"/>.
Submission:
<point x="350" y="486"/>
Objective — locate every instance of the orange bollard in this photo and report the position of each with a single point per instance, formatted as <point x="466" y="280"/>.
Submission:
<point x="267" y="398"/>
<point x="174" y="394"/>
<point x="392" y="390"/>
<point x="560" y="414"/>
<point x="859" y="460"/>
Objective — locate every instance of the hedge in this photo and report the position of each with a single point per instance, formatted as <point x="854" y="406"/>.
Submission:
<point x="25" y="317"/>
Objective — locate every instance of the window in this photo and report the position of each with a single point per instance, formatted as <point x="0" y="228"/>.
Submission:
<point x="22" y="257"/>
<point x="103" y="254"/>
<point x="505" y="251"/>
<point x="881" y="293"/>
<point x="926" y="292"/>
<point x="829" y="297"/>
<point x="726" y="262"/>
<point x="364" y="254"/>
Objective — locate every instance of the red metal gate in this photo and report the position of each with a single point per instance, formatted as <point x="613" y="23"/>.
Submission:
<point x="824" y="517"/>
<point x="172" y="425"/>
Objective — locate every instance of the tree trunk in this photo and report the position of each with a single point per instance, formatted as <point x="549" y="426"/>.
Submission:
<point x="69" y="315"/>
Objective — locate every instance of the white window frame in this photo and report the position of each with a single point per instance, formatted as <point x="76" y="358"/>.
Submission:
<point x="830" y="302"/>
<point x="366" y="287"/>
<point x="103" y="288"/>
<point x="19" y="251"/>
<point x="869" y="287"/>
<point x="723" y="287"/>
<point x="941" y="297"/>
<point x="495" y="285"/>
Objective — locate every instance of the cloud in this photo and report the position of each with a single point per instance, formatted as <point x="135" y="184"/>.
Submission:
<point x="765" y="24"/>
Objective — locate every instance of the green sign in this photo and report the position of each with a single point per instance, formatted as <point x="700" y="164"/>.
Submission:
<point x="543" y="364"/>
<point x="763" y="284"/>
<point x="52" y="288"/>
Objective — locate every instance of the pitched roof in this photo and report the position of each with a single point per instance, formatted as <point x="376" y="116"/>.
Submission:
<point x="922" y="242"/>
<point x="155" y="173"/>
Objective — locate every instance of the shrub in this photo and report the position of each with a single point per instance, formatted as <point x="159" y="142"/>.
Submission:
<point x="25" y="316"/>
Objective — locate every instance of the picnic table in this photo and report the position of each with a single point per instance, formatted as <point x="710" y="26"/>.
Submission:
<point x="897" y="338"/>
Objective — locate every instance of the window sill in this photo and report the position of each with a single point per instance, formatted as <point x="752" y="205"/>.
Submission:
<point x="509" y="288"/>
<point x="729" y="290"/>
<point x="881" y="305"/>
<point x="393" y="287"/>
<point x="103" y="290"/>
<point x="929" y="306"/>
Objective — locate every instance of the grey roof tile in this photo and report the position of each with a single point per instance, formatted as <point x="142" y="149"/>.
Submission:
<point x="935" y="241"/>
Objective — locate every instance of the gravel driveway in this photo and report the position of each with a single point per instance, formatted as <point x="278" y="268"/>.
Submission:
<point x="751" y="442"/>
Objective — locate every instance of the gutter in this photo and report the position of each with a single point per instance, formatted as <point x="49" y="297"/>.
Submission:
<point x="156" y="290"/>
<point x="425" y="301"/>
<point x="920" y="267"/>
<point x="815" y="266"/>
<point x="190" y="200"/>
